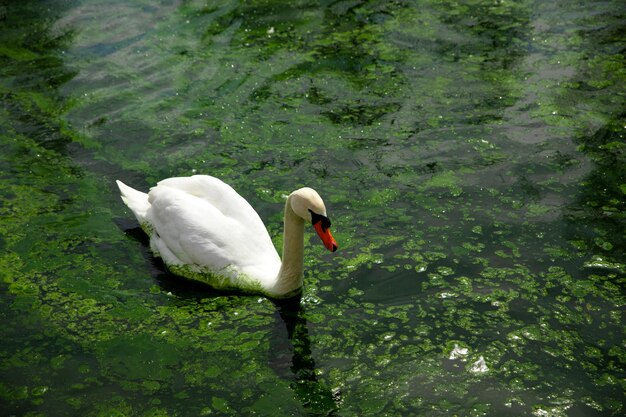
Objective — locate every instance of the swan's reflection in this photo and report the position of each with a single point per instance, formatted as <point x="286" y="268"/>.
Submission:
<point x="314" y="396"/>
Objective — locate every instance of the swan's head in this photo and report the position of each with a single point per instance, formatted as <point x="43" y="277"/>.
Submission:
<point x="308" y="204"/>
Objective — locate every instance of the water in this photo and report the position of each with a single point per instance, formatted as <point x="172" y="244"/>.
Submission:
<point x="471" y="157"/>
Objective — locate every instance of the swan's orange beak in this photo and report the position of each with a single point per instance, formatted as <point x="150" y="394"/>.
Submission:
<point x="326" y="236"/>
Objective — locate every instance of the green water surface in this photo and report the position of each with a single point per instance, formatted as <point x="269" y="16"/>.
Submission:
<point x="471" y="155"/>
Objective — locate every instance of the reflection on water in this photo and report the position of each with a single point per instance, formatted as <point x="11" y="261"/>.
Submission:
<point x="315" y="397"/>
<point x="473" y="158"/>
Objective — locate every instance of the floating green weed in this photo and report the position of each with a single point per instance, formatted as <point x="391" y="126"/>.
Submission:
<point x="470" y="155"/>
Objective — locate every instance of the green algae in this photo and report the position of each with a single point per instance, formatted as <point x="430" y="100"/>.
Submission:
<point x="217" y="279"/>
<point x="471" y="155"/>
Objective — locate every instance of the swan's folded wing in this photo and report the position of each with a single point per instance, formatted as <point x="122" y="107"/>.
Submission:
<point x="196" y="232"/>
<point x="219" y="195"/>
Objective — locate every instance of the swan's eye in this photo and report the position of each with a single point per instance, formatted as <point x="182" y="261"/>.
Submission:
<point x="316" y="218"/>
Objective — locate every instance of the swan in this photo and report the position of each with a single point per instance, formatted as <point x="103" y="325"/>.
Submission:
<point x="205" y="231"/>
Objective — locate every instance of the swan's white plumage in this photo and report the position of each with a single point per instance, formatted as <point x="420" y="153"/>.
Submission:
<point x="203" y="229"/>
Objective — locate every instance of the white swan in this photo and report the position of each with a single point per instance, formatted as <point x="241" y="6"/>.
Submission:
<point x="203" y="230"/>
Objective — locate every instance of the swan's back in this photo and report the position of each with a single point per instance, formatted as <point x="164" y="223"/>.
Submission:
<point x="218" y="194"/>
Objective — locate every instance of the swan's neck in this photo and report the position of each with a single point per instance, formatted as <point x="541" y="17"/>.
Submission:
<point x="290" y="276"/>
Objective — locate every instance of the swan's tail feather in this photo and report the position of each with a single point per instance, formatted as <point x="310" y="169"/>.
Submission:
<point x="136" y="201"/>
